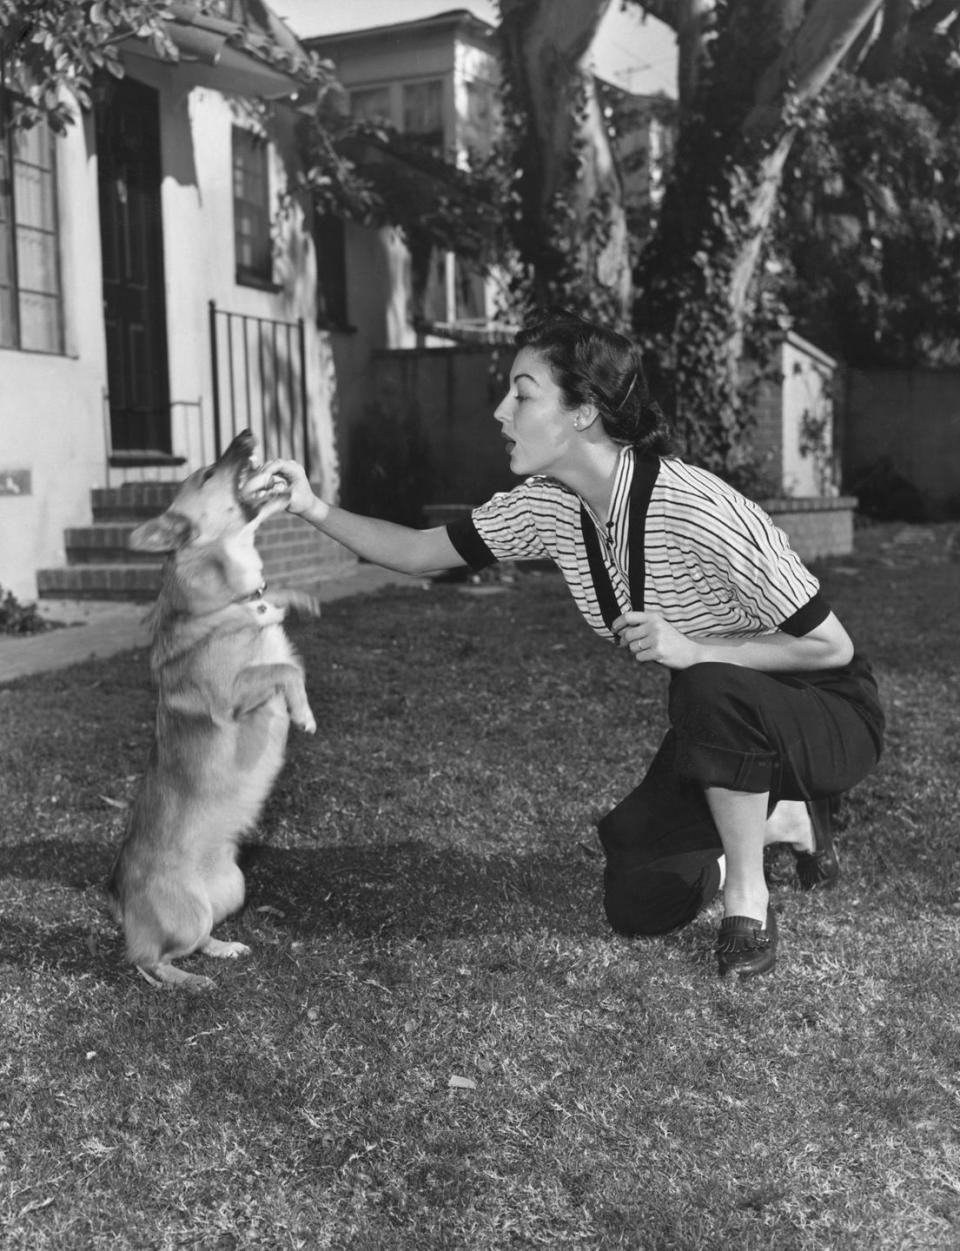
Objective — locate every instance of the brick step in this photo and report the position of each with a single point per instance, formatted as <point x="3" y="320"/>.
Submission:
<point x="100" y="581"/>
<point x="104" y="543"/>
<point x="134" y="501"/>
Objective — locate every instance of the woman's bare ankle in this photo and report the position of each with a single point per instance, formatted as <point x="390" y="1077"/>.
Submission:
<point x="746" y="903"/>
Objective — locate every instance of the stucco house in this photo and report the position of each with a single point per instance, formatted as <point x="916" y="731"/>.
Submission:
<point x="153" y="301"/>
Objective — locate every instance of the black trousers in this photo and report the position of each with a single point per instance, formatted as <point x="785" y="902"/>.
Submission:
<point x="794" y="735"/>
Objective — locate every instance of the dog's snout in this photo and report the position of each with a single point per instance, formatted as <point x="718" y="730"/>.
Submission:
<point x="241" y="448"/>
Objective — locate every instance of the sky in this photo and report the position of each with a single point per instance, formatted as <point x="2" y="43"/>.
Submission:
<point x="638" y="55"/>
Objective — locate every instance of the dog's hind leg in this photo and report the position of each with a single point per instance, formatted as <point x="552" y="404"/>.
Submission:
<point x="165" y="923"/>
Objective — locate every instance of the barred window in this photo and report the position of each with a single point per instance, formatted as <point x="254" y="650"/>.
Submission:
<point x="251" y="208"/>
<point x="31" y="302"/>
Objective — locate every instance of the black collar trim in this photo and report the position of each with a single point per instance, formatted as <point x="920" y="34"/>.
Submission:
<point x="641" y="488"/>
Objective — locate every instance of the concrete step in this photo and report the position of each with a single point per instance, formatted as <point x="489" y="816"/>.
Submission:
<point x="134" y="501"/>
<point x="104" y="543"/>
<point x="108" y="580"/>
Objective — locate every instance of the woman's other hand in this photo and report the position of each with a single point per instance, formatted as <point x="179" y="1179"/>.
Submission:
<point x="649" y="638"/>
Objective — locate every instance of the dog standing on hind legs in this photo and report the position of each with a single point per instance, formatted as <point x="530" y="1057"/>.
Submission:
<point x="229" y="684"/>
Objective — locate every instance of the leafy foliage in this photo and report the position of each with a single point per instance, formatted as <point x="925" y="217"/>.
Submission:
<point x="54" y="46"/>
<point x="52" y="50"/>
<point x="870" y="225"/>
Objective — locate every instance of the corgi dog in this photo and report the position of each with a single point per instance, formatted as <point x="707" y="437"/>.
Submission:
<point x="229" y="684"/>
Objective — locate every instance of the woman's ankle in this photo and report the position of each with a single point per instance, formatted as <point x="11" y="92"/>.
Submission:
<point x="744" y="902"/>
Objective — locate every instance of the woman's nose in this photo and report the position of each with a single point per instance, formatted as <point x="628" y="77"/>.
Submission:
<point x="502" y="412"/>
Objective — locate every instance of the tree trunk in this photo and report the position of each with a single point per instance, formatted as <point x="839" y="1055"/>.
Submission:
<point x="768" y="58"/>
<point x="573" y="228"/>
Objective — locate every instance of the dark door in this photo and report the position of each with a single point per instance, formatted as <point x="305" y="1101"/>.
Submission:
<point x="128" y="150"/>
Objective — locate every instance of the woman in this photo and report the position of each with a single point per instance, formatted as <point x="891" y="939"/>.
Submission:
<point x="772" y="714"/>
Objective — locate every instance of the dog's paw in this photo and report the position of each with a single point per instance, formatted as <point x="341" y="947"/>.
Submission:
<point x="298" y="602"/>
<point x="168" y="976"/>
<point x="224" y="951"/>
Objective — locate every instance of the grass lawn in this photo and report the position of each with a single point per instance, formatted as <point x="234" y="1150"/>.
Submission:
<point x="436" y="1042"/>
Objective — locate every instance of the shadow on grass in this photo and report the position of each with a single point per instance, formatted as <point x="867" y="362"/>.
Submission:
<point x="411" y="890"/>
<point x="401" y="891"/>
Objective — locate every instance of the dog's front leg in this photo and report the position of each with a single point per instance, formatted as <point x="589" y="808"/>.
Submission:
<point x="259" y="683"/>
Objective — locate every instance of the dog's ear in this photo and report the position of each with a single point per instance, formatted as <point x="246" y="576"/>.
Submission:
<point x="163" y="534"/>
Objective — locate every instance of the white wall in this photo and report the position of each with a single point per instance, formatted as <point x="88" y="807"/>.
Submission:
<point x="53" y="416"/>
<point x="809" y="465"/>
<point x="52" y="413"/>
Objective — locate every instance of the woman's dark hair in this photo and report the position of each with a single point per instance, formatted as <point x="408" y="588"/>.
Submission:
<point x="591" y="364"/>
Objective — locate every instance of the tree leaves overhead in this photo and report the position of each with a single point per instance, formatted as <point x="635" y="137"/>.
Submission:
<point x="51" y="51"/>
<point x="870" y="225"/>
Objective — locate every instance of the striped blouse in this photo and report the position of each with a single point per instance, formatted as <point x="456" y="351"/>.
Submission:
<point x="712" y="562"/>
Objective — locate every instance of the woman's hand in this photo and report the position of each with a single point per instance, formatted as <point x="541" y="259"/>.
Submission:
<point x="302" y="499"/>
<point x="648" y="637"/>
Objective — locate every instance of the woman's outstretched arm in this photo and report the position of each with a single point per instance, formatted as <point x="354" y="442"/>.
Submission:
<point x="397" y="547"/>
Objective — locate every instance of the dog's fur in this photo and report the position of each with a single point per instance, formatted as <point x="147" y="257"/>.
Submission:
<point x="229" y="685"/>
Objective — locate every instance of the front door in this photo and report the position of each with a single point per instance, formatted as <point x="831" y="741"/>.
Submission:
<point x="128" y="151"/>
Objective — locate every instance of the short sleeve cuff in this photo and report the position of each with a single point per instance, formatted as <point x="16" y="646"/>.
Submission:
<point x="814" y="612"/>
<point x="465" y="538"/>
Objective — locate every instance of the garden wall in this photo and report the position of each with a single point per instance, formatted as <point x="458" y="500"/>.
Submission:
<point x="816" y="527"/>
<point x="444" y="398"/>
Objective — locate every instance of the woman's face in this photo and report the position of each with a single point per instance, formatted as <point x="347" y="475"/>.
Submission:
<point x="539" y="432"/>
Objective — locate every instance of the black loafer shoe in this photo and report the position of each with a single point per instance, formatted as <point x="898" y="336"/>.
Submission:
<point x="819" y="869"/>
<point x="746" y="946"/>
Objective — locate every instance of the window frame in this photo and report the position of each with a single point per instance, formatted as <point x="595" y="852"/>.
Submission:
<point x="10" y="228"/>
<point x="245" y="142"/>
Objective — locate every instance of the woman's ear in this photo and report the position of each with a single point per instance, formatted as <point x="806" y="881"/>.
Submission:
<point x="585" y="416"/>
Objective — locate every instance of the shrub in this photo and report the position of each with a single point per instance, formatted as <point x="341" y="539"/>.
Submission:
<point x="17" y="618"/>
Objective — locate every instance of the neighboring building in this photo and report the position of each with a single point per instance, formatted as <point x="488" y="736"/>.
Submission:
<point x="152" y="299"/>
<point x="436" y="80"/>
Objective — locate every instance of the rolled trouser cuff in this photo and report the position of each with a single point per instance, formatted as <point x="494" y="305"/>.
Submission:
<point x="732" y="769"/>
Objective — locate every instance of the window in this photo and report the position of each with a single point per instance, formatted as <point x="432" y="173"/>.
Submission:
<point x="31" y="304"/>
<point x="372" y="104"/>
<point x="251" y="209"/>
<point x="423" y="112"/>
<point x="414" y="108"/>
<point x="329" y="237"/>
<point x="481" y="120"/>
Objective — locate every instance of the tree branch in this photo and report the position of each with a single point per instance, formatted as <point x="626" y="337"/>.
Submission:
<point x="570" y="24"/>
<point x="813" y="53"/>
<point x="925" y="20"/>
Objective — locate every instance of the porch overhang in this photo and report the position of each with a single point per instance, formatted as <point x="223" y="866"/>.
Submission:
<point x="215" y="52"/>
